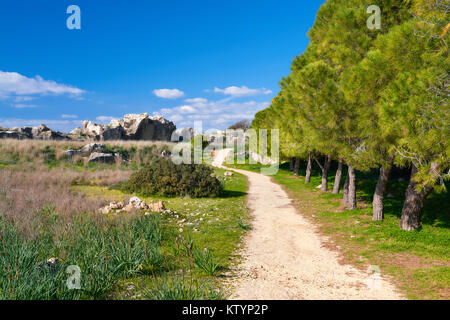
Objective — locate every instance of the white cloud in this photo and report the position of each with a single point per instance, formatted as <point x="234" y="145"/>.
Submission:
<point x="23" y="99"/>
<point x="17" y="84"/>
<point x="105" y="119"/>
<point x="69" y="116"/>
<point x="214" y="114"/>
<point x="176" y="117"/>
<point x="242" y="91"/>
<point x="168" y="93"/>
<point x="200" y="102"/>
<point x="187" y="109"/>
<point x="23" y="105"/>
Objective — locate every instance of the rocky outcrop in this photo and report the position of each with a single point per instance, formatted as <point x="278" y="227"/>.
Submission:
<point x="41" y="132"/>
<point x="130" y="127"/>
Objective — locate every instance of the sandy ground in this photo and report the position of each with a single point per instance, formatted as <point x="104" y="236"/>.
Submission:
<point x="284" y="256"/>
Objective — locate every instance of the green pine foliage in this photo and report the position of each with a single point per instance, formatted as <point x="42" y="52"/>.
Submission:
<point x="370" y="97"/>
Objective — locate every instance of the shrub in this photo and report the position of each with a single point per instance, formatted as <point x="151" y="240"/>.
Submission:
<point x="163" y="177"/>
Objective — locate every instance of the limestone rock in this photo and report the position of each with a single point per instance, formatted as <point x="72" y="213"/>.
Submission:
<point x="101" y="157"/>
<point x="134" y="204"/>
<point x="41" y="132"/>
<point x="157" y="207"/>
<point x="96" y="152"/>
<point x="137" y="203"/>
<point x="130" y="127"/>
<point x="92" y="147"/>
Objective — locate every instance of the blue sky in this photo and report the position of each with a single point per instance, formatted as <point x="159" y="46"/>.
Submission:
<point x="216" y="61"/>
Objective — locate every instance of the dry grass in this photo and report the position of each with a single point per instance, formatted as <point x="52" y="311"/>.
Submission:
<point x="24" y="146"/>
<point x="25" y="192"/>
<point x="35" y="174"/>
<point x="34" y="150"/>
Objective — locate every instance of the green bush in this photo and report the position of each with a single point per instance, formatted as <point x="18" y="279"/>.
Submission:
<point x="163" y="177"/>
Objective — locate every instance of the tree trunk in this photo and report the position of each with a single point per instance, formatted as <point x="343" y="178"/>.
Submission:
<point x="297" y="166"/>
<point x="326" y="169"/>
<point x="346" y="188"/>
<point x="337" y="178"/>
<point x="291" y="164"/>
<point x="351" y="188"/>
<point x="415" y="200"/>
<point x="380" y="190"/>
<point x="308" y="170"/>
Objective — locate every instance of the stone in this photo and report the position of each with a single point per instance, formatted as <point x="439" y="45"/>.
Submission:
<point x="228" y="173"/>
<point x="138" y="204"/>
<point x="53" y="263"/>
<point x="165" y="154"/>
<point x="157" y="207"/>
<point x="92" y="147"/>
<point x="71" y="153"/>
<point x="105" y="210"/>
<point x="129" y="208"/>
<point x="101" y="157"/>
<point x="130" y="127"/>
<point x="8" y="134"/>
<point x="116" y="205"/>
<point x="96" y="152"/>
<point x="134" y="204"/>
<point x="41" y="132"/>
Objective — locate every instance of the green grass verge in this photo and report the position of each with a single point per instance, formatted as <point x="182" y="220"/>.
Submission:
<point x="199" y="246"/>
<point x="417" y="261"/>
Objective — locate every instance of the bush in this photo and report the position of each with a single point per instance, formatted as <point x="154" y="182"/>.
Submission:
<point x="163" y="177"/>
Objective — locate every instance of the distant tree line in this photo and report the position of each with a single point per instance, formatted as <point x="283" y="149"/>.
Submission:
<point x="243" y="125"/>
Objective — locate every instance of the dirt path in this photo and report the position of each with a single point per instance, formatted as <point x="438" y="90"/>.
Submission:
<point x="284" y="256"/>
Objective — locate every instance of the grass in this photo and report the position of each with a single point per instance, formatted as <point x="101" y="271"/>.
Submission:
<point x="417" y="261"/>
<point x="52" y="152"/>
<point x="47" y="210"/>
<point x="105" y="251"/>
<point x="204" y="233"/>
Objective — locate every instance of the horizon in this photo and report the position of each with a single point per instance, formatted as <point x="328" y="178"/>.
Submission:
<point x="204" y="61"/>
